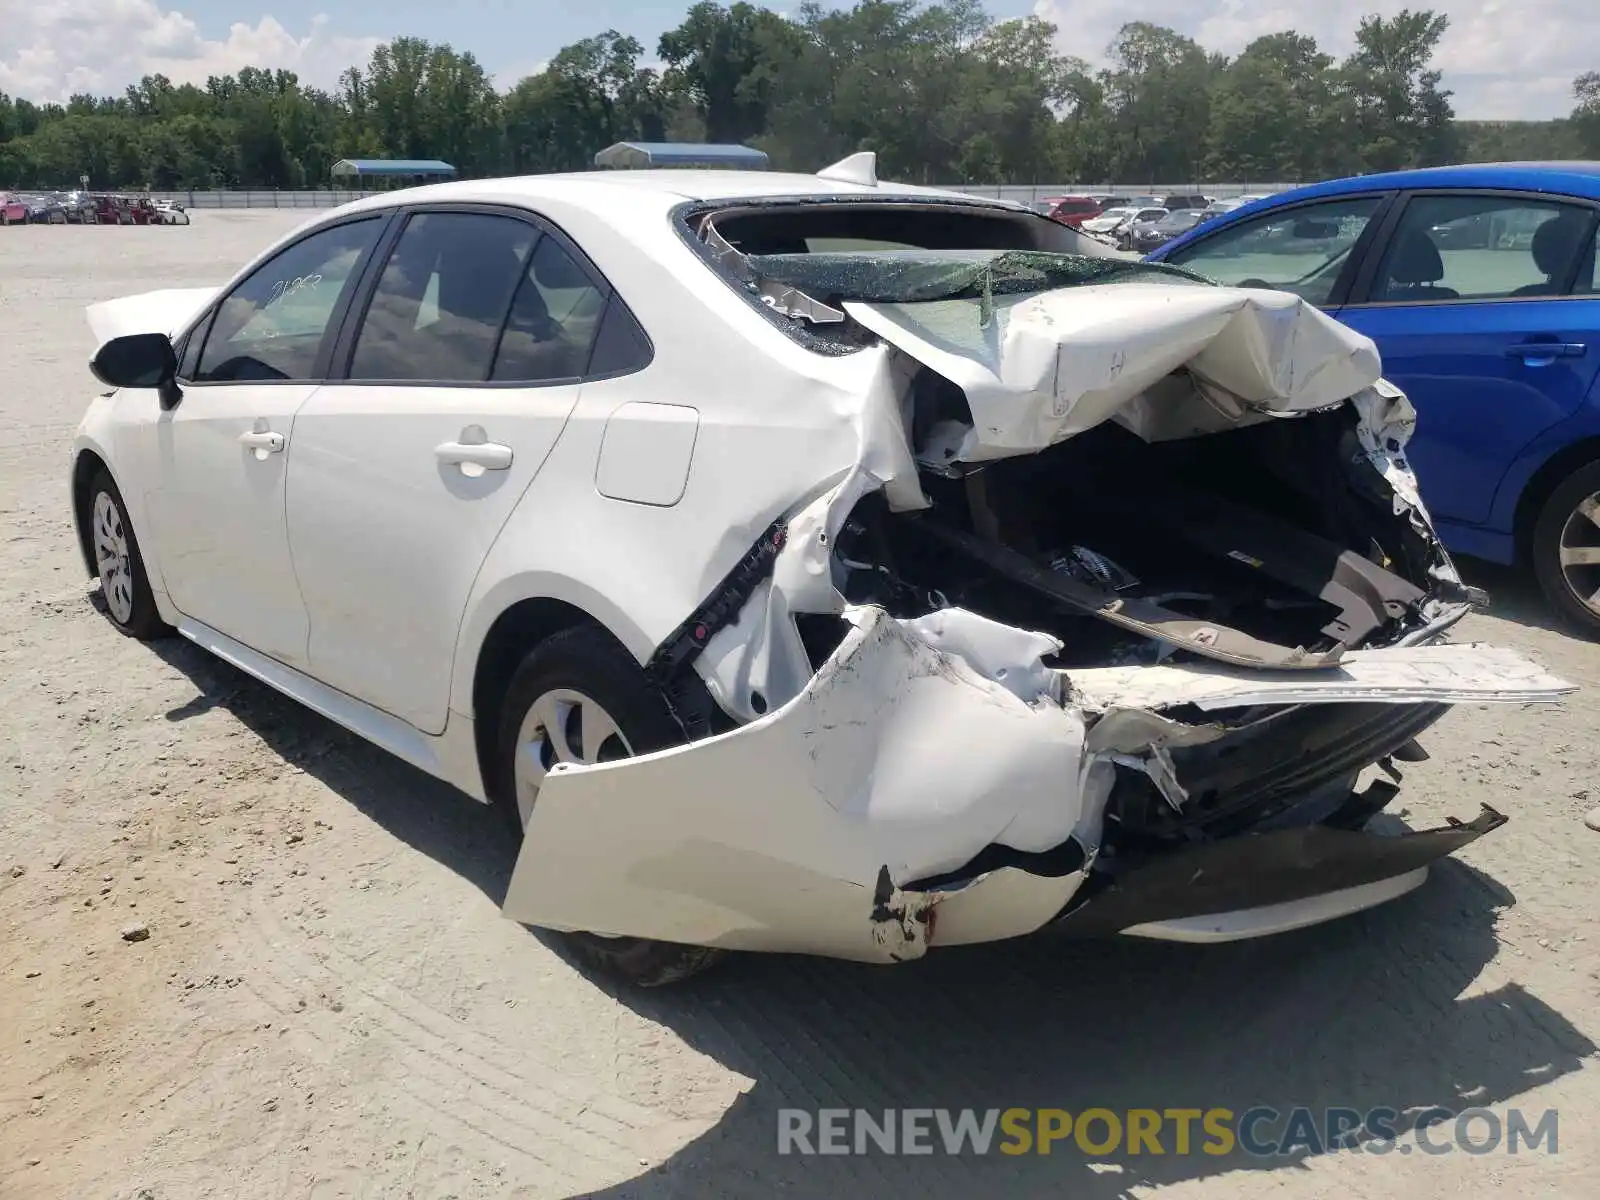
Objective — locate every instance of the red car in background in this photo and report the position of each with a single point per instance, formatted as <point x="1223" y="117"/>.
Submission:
<point x="12" y="210"/>
<point x="107" y="211"/>
<point x="1070" y="210"/>
<point x="125" y="210"/>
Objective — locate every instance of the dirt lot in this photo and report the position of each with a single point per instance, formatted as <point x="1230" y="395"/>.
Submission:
<point x="328" y="1003"/>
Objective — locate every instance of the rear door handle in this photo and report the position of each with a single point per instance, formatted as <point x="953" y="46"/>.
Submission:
<point x="474" y="450"/>
<point x="1546" y="352"/>
<point x="263" y="442"/>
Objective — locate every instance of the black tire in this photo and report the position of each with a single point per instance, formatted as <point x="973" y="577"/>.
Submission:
<point x="587" y="659"/>
<point x="1545" y="549"/>
<point x="144" y="621"/>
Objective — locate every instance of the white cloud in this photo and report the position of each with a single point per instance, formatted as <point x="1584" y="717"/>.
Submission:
<point x="51" y="49"/>
<point x="1503" y="61"/>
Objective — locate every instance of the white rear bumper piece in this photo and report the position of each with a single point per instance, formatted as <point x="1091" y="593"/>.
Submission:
<point x="847" y="822"/>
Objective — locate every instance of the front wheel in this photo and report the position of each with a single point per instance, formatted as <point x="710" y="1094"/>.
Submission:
<point x="579" y="697"/>
<point x="1565" y="549"/>
<point x="124" y="586"/>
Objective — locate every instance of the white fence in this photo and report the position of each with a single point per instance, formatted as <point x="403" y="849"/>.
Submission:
<point x="231" y="198"/>
<point x="1023" y="193"/>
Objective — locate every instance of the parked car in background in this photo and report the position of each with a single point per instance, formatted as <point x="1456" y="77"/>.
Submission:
<point x="13" y="209"/>
<point x="109" y="211"/>
<point x="1116" y="221"/>
<point x="1072" y="211"/>
<point x="1109" y="219"/>
<point x="1184" y="201"/>
<point x="1478" y="284"/>
<point x="45" y="210"/>
<point x="168" y="213"/>
<point x="994" y="620"/>
<point x="80" y="207"/>
<point x="1128" y="232"/>
<point x="1148" y="235"/>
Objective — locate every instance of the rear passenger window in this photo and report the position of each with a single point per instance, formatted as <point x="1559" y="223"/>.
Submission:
<point x="622" y="346"/>
<point x="553" y="320"/>
<point x="439" y="307"/>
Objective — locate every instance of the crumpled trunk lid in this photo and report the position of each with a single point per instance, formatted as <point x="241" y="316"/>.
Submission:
<point x="1039" y="368"/>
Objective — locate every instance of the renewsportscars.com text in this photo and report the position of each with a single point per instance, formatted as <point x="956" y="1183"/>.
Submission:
<point x="1259" y="1132"/>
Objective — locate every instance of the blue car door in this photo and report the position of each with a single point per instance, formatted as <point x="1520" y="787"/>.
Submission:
<point x="1482" y="306"/>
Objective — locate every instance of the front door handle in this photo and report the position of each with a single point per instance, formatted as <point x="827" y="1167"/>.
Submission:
<point x="1544" y="353"/>
<point x="263" y="442"/>
<point x="473" y="452"/>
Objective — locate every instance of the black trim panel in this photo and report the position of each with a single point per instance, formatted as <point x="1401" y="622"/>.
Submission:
<point x="1256" y="870"/>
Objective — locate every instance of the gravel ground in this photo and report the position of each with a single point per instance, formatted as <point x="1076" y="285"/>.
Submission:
<point x="328" y="1003"/>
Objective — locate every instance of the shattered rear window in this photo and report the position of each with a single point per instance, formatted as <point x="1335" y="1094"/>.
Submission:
<point x="917" y="276"/>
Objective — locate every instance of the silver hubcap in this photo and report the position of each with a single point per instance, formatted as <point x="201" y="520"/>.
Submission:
<point x="111" y="557"/>
<point x="1580" y="553"/>
<point x="562" y="726"/>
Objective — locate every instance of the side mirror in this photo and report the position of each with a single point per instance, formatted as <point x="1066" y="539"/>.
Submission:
<point x="136" y="360"/>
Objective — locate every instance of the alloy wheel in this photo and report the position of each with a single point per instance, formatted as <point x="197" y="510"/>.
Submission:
<point x="1580" y="552"/>
<point x="111" y="557"/>
<point x="562" y="726"/>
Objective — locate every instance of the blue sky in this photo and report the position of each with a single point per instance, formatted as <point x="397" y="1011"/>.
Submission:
<point x="1503" y="59"/>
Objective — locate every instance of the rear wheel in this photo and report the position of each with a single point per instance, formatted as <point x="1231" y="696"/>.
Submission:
<point x="1565" y="549"/>
<point x="579" y="697"/>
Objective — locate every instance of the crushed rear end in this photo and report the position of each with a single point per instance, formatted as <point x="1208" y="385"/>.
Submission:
<point x="1127" y="589"/>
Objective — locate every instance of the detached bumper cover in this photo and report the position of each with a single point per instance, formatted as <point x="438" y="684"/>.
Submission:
<point x="929" y="786"/>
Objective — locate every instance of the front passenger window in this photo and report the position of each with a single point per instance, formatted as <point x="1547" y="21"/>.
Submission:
<point x="271" y="327"/>
<point x="1300" y="250"/>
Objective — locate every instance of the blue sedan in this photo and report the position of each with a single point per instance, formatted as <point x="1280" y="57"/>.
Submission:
<point x="1478" y="284"/>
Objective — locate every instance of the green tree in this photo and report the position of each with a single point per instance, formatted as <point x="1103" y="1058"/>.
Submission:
<point x="593" y="94"/>
<point x="1158" y="103"/>
<point x="1269" y="110"/>
<point x="1391" y="106"/>
<point x="1585" y="118"/>
<point x="728" y="62"/>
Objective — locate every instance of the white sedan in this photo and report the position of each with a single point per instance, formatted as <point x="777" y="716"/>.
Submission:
<point x="169" y="212"/>
<point x="803" y="563"/>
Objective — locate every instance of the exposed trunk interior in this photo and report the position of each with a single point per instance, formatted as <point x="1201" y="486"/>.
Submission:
<point x="1275" y="544"/>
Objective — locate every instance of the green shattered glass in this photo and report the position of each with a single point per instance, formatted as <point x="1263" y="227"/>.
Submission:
<point x="916" y="276"/>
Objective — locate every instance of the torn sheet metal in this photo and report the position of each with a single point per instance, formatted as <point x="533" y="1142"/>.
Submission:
<point x="897" y="762"/>
<point x="1037" y="369"/>
<point x="166" y="311"/>
<point x="1470" y="672"/>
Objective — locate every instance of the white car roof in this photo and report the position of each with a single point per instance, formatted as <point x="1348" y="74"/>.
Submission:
<point x="625" y="187"/>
